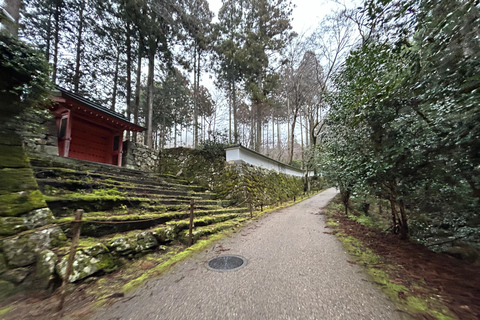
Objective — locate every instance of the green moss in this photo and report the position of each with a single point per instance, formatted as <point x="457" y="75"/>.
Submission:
<point x="15" y="204"/>
<point x="13" y="157"/>
<point x="11" y="225"/>
<point x="411" y="304"/>
<point x="88" y="242"/>
<point x="7" y="290"/>
<point x="332" y="223"/>
<point x="107" y="263"/>
<point x="165" y="266"/>
<point x="16" y="179"/>
<point x="5" y="310"/>
<point x="363" y="219"/>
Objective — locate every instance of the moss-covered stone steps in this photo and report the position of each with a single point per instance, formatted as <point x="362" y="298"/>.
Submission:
<point x="99" y="179"/>
<point x="43" y="161"/>
<point x="66" y="205"/>
<point x="132" y="218"/>
<point x="53" y="187"/>
<point x="179" y="225"/>
<point x="98" y="224"/>
<point x="101" y="255"/>
<point x="207" y="230"/>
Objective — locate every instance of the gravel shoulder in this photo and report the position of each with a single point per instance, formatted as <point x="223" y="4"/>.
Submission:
<point x="294" y="271"/>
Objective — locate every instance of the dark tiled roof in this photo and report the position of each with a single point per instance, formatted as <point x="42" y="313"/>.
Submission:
<point x="84" y="101"/>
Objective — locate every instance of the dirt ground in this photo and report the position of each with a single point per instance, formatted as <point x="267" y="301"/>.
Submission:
<point x="83" y="299"/>
<point x="455" y="282"/>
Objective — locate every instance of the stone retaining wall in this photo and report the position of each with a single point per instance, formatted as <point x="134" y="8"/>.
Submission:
<point x="139" y="157"/>
<point x="25" y="220"/>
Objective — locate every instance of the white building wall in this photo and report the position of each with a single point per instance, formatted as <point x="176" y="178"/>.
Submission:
<point x="253" y="158"/>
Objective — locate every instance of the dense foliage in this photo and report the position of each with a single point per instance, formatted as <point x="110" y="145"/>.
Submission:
<point x="24" y="79"/>
<point x="404" y="124"/>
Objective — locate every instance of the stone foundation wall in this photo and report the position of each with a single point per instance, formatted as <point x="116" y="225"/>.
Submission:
<point x="26" y="227"/>
<point x="240" y="182"/>
<point x="38" y="131"/>
<point x="192" y="165"/>
<point x="139" y="157"/>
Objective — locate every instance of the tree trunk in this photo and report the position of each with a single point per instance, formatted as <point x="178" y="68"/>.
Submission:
<point x="49" y="33"/>
<point x="301" y="139"/>
<point x="306" y="132"/>
<point x="404" y="222"/>
<point x="292" y="135"/>
<point x="258" y="142"/>
<point x="128" y="44"/>
<point x="149" y="118"/>
<point x="137" y="91"/>
<point x="175" y="135"/>
<point x="288" y="127"/>
<point x="115" y="82"/>
<point x="195" y="98"/>
<point x="78" y="57"/>
<point x="230" y="108"/>
<point x="56" y="38"/>
<point x="394" y="214"/>
<point x="199" y="63"/>
<point x="273" y="130"/>
<point x="252" y="135"/>
<point x="235" y="120"/>
<point x="345" y="195"/>
<point x="279" y="142"/>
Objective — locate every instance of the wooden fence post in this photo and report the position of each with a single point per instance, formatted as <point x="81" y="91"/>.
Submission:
<point x="191" y="223"/>
<point x="251" y="210"/>
<point x="76" y="226"/>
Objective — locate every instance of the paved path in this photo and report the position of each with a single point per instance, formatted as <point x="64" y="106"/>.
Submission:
<point x="294" y="271"/>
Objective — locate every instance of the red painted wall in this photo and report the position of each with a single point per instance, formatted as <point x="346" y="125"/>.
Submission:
<point x="90" y="142"/>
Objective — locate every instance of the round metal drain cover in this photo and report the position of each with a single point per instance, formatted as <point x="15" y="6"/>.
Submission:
<point x="227" y="263"/>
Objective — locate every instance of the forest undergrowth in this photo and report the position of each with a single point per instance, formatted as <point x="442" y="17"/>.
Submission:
<point x="423" y="284"/>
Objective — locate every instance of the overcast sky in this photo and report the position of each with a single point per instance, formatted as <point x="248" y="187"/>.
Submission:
<point x="306" y="14"/>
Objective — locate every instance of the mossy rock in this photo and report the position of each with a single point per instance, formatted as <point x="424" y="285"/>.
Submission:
<point x="11" y="226"/>
<point x="8" y="139"/>
<point x="122" y="245"/>
<point x="145" y="241"/>
<point x="86" y="265"/>
<point x="136" y="243"/>
<point x="92" y="248"/>
<point x="178" y="225"/>
<point x="18" y="203"/>
<point x="7" y="290"/>
<point x="38" y="218"/>
<point x="3" y="264"/>
<point x="45" y="268"/>
<point x="13" y="157"/>
<point x="164" y="234"/>
<point x="22" y="250"/>
<point x="16" y="179"/>
<point x="17" y="275"/>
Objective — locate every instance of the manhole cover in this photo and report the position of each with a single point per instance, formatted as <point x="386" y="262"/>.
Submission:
<point x="227" y="263"/>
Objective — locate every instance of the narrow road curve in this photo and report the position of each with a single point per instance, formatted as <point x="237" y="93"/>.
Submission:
<point x="294" y="271"/>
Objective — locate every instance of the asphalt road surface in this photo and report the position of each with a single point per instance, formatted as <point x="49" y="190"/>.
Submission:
<point x="294" y="271"/>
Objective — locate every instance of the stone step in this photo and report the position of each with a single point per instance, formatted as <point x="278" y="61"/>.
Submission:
<point x="180" y="225"/>
<point x="40" y="161"/>
<point x="53" y="187"/>
<point x="55" y="173"/>
<point x="66" y="205"/>
<point x="101" y="255"/>
<point x="98" y="224"/>
<point x="204" y="231"/>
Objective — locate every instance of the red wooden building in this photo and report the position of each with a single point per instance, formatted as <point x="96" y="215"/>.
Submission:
<point x="87" y="130"/>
